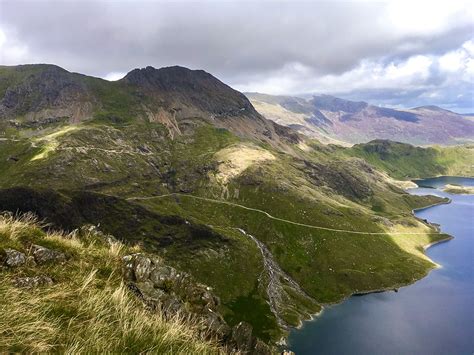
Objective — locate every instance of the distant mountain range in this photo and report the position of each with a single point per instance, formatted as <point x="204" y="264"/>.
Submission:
<point x="334" y="120"/>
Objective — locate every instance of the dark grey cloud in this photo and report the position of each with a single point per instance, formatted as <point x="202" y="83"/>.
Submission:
<point x="281" y="47"/>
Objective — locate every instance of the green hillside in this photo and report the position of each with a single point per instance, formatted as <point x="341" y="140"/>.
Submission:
<point x="405" y="161"/>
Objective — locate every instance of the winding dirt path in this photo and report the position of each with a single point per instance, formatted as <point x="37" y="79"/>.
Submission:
<point x="277" y="218"/>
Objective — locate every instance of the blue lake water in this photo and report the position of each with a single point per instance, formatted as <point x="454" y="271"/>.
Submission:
<point x="433" y="316"/>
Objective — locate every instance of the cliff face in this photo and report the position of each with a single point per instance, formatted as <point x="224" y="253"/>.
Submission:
<point x="186" y="91"/>
<point x="44" y="93"/>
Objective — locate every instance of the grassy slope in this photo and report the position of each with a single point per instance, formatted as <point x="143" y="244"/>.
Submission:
<point x="88" y="309"/>
<point x="339" y="263"/>
<point x="404" y="161"/>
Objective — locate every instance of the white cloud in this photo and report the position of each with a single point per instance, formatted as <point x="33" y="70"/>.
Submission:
<point x="114" y="76"/>
<point x="427" y="17"/>
<point x="444" y="79"/>
<point x="415" y="68"/>
<point x="11" y="51"/>
<point x="459" y="62"/>
<point x="452" y="61"/>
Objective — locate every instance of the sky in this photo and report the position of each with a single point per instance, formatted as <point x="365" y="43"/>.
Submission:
<point x="390" y="53"/>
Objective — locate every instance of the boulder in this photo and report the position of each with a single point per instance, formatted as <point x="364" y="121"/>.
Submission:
<point x="33" y="281"/>
<point x="148" y="290"/>
<point x="137" y="267"/>
<point x="163" y="276"/>
<point x="242" y="337"/>
<point x="14" y="258"/>
<point x="44" y="255"/>
<point x="94" y="231"/>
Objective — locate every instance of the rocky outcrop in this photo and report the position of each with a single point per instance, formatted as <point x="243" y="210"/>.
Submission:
<point x="34" y="258"/>
<point x="33" y="281"/>
<point x="162" y="287"/>
<point x="14" y="258"/>
<point x="184" y="92"/>
<point x="44" y="255"/>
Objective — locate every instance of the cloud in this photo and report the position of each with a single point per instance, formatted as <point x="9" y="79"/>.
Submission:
<point x="114" y="76"/>
<point x="11" y="51"/>
<point x="286" y="47"/>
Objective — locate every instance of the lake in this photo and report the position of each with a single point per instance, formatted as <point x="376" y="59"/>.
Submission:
<point x="433" y="316"/>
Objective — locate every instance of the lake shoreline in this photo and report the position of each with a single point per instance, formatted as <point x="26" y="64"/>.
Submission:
<point x="394" y="288"/>
<point x="357" y="324"/>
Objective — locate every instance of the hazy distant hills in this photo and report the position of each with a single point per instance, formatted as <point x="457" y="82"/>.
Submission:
<point x="332" y="119"/>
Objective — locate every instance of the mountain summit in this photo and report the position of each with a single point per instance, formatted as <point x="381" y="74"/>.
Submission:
<point x="187" y="88"/>
<point x="38" y="95"/>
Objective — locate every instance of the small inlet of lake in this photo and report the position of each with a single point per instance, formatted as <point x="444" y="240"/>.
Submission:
<point x="433" y="316"/>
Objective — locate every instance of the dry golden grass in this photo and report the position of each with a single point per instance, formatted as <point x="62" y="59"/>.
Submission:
<point x="237" y="158"/>
<point x="12" y="226"/>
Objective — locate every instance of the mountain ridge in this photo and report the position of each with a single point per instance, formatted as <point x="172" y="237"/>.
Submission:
<point x="36" y="95"/>
<point x="333" y="119"/>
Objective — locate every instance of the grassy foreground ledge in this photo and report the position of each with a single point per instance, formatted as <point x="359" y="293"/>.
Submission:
<point x="82" y="305"/>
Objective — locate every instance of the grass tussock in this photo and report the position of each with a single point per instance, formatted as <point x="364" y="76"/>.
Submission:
<point x="11" y="226"/>
<point x="88" y="309"/>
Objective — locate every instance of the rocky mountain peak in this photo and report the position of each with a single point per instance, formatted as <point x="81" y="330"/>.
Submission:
<point x="190" y="88"/>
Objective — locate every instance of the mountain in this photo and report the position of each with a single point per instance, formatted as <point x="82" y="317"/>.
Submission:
<point x="35" y="95"/>
<point x="334" y="120"/>
<point x="178" y="166"/>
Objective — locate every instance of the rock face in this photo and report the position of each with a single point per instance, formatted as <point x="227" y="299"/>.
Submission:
<point x="44" y="255"/>
<point x="242" y="336"/>
<point x="45" y="94"/>
<point x="14" y="258"/>
<point x="169" y="290"/>
<point x="180" y="93"/>
<point x="182" y="90"/>
<point x="162" y="286"/>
